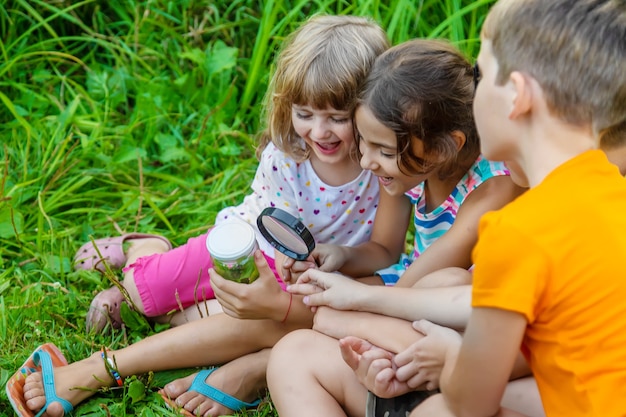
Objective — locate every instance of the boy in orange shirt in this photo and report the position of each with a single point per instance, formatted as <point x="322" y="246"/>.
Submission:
<point x="549" y="267"/>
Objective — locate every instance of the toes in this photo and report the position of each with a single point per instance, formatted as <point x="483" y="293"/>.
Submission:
<point x="192" y="404"/>
<point x="178" y="387"/>
<point x="35" y="403"/>
<point x="55" y="410"/>
<point x="35" y="396"/>
<point x="33" y="388"/>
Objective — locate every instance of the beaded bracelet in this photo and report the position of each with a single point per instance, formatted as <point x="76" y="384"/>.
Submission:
<point x="109" y="364"/>
<point x="288" y="308"/>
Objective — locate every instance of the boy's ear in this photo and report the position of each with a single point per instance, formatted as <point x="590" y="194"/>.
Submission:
<point x="522" y="94"/>
<point x="459" y="137"/>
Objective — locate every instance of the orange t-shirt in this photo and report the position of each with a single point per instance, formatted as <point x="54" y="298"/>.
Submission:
<point x="557" y="255"/>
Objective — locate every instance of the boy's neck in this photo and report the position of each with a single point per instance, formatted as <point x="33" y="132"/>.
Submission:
<point x="548" y="142"/>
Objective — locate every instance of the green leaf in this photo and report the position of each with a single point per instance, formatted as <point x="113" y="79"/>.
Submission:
<point x="128" y="153"/>
<point x="59" y="264"/>
<point x="195" y="55"/>
<point x="221" y="58"/>
<point x="136" y="391"/>
<point x="133" y="319"/>
<point x="10" y="221"/>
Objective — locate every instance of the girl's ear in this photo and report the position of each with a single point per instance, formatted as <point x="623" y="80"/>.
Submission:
<point x="521" y="94"/>
<point x="459" y="137"/>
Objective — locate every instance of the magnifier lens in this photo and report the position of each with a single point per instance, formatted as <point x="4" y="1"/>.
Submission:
<point x="282" y="233"/>
<point x="286" y="233"/>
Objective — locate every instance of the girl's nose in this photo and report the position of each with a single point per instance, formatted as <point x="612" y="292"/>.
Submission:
<point x="320" y="129"/>
<point x="367" y="161"/>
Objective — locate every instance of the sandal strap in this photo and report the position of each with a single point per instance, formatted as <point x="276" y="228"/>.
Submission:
<point x="47" y="374"/>
<point x="199" y="385"/>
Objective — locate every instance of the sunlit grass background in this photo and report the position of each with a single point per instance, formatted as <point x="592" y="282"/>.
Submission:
<point x="138" y="116"/>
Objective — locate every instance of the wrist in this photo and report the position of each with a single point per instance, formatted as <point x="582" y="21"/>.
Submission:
<point x="283" y="313"/>
<point x="450" y="358"/>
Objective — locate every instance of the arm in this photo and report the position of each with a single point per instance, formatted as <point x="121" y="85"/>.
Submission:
<point x="454" y="248"/>
<point x="475" y="375"/>
<point x="447" y="306"/>
<point x="386" y="244"/>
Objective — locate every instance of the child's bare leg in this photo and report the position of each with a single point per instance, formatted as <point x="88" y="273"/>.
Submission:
<point x="308" y="377"/>
<point x="105" y="306"/>
<point x="435" y="406"/>
<point x="140" y="248"/>
<point x="196" y="312"/>
<point x="523" y="395"/>
<point x="242" y="378"/>
<point x="213" y="340"/>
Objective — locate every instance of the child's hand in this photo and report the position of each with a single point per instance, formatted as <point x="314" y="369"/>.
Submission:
<point x="373" y="367"/>
<point x="292" y="269"/>
<point x="420" y="365"/>
<point x="257" y="300"/>
<point x="326" y="289"/>
<point x="330" y="258"/>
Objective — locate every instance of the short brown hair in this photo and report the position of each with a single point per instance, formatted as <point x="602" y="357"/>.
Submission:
<point x="575" y="49"/>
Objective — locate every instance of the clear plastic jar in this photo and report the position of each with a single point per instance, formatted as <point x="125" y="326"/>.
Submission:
<point x="232" y="246"/>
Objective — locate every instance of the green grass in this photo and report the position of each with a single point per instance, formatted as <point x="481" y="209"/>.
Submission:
<point x="138" y="116"/>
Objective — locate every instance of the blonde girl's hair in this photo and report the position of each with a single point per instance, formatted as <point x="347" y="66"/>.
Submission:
<point x="423" y="90"/>
<point x="321" y="64"/>
<point x="574" y="49"/>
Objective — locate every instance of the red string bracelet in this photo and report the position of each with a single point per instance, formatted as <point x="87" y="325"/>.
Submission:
<point x="288" y="308"/>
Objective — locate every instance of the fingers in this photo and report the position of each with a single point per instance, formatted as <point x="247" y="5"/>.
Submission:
<point x="288" y="263"/>
<point x="262" y="266"/>
<point x="423" y="326"/>
<point x="357" y="344"/>
<point x="303" y="289"/>
<point x="349" y="354"/>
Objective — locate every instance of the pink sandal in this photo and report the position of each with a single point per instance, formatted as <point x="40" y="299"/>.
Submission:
<point x="111" y="249"/>
<point x="105" y="309"/>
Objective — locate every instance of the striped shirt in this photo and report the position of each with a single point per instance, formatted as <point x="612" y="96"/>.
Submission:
<point x="431" y="226"/>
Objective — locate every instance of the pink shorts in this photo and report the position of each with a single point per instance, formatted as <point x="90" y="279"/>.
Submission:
<point x="180" y="274"/>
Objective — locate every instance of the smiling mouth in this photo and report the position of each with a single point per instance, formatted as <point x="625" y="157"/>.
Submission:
<point x="327" y="147"/>
<point x="385" y="180"/>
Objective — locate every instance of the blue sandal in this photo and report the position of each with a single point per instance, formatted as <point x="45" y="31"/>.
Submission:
<point x="47" y="374"/>
<point x="200" y="386"/>
<point x="43" y="359"/>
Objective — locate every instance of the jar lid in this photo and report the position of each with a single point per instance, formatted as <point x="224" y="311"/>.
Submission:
<point x="231" y="240"/>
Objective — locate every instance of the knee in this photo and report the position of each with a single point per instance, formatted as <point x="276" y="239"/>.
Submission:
<point x="292" y="346"/>
<point x="434" y="406"/>
<point x="287" y="354"/>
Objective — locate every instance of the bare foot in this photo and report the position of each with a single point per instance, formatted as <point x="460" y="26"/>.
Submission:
<point x="242" y="378"/>
<point x="69" y="380"/>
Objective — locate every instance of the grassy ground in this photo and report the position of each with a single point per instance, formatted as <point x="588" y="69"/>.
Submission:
<point x="137" y="116"/>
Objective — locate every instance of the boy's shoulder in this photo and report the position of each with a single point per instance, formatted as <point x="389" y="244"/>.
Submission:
<point x="578" y="189"/>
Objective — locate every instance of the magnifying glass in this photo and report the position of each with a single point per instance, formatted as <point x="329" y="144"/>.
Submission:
<point x="286" y="233"/>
